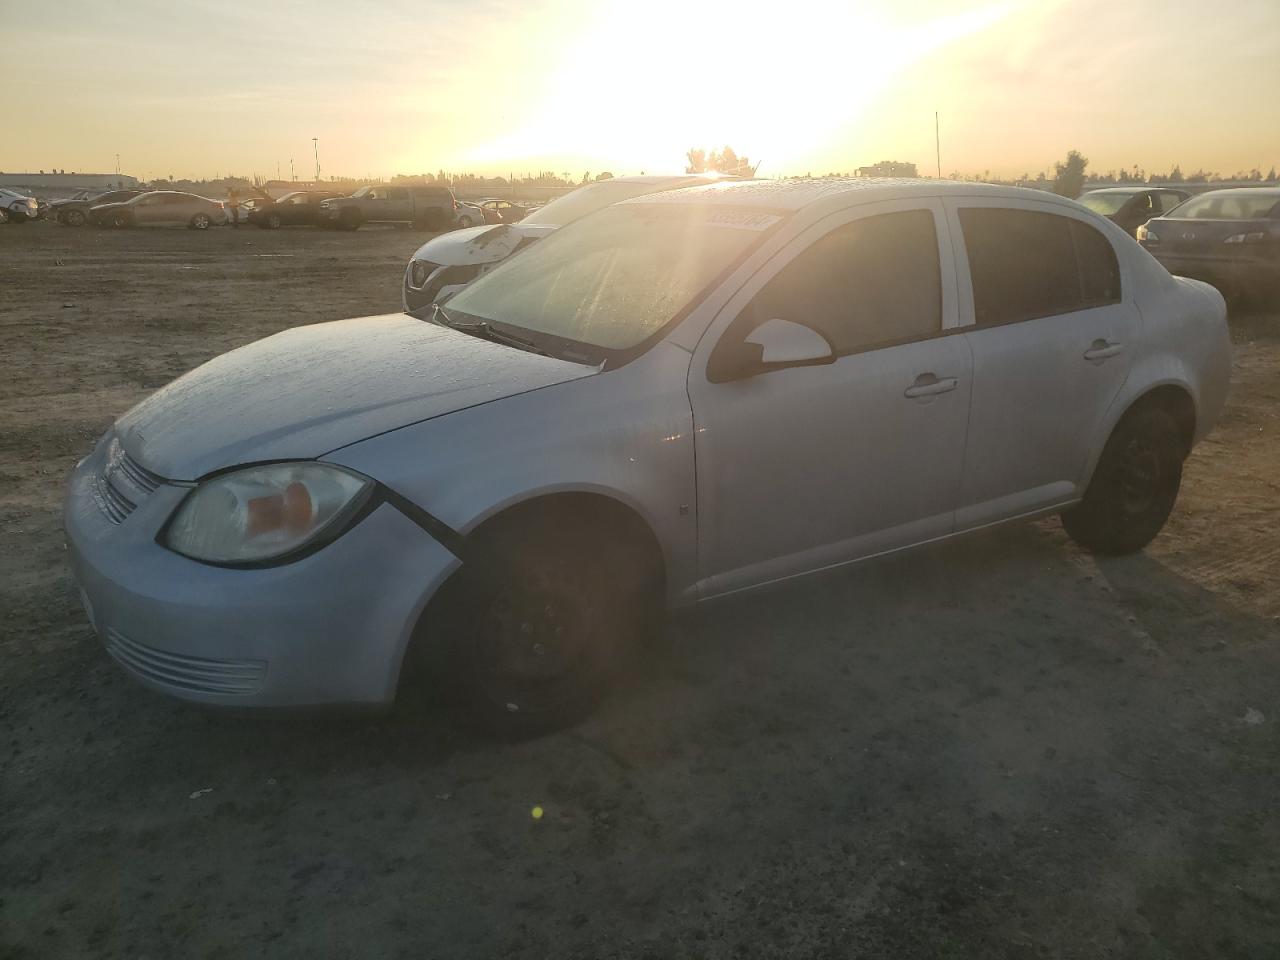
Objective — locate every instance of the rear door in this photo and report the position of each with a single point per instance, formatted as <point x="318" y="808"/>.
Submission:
<point x="1052" y="339"/>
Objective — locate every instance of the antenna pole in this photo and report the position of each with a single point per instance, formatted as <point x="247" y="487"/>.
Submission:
<point x="937" y="142"/>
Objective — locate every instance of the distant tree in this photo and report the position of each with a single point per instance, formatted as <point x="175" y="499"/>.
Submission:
<point x="604" y="176"/>
<point x="1069" y="179"/>
<point x="1175" y="175"/>
<point x="723" y="161"/>
<point x="1271" y="175"/>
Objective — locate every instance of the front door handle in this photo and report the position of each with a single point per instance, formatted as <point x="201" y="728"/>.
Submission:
<point x="929" y="385"/>
<point x="1102" y="350"/>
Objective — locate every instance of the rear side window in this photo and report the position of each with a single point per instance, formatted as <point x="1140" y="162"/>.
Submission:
<point x="866" y="284"/>
<point x="1026" y="264"/>
<point x="1099" y="269"/>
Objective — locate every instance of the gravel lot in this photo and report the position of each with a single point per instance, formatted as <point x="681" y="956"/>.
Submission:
<point x="994" y="748"/>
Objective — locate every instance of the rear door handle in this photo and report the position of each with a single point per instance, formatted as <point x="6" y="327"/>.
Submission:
<point x="928" y="385"/>
<point x="1102" y="350"/>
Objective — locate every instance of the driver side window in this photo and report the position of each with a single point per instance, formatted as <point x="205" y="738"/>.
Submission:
<point x="867" y="284"/>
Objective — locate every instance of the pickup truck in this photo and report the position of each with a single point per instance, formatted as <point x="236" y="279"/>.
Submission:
<point x="430" y="208"/>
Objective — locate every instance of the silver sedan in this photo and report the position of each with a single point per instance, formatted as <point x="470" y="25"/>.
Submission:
<point x="682" y="396"/>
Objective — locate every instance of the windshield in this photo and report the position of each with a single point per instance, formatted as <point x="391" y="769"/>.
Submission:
<point x="589" y="199"/>
<point x="615" y="280"/>
<point x="362" y="191"/>
<point x="1226" y="206"/>
<point x="1105" y="203"/>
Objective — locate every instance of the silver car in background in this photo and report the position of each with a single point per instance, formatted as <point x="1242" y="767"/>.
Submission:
<point x="445" y="264"/>
<point x="504" y="500"/>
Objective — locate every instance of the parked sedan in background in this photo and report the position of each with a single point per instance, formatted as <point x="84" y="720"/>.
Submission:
<point x="443" y="265"/>
<point x="161" y="208"/>
<point x="471" y="214"/>
<point x="17" y="208"/>
<point x="301" y="208"/>
<point x="504" y="499"/>
<point x="1131" y="207"/>
<point x="503" y="211"/>
<point x="75" y="212"/>
<point x="1231" y="238"/>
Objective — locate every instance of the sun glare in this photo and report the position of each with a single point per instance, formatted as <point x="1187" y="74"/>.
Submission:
<point x="639" y="88"/>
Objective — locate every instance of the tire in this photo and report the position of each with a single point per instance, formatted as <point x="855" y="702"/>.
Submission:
<point x="465" y="221"/>
<point x="1134" y="485"/>
<point x="120" y="220"/>
<point x="273" y="221"/>
<point x="201" y="221"/>
<point x="73" y="218"/>
<point x="538" y="622"/>
<point x="4" y="215"/>
<point x="349" y="221"/>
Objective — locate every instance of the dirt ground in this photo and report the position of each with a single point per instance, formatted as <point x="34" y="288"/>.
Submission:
<point x="994" y="748"/>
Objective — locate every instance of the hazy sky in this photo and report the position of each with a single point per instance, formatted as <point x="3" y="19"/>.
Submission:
<point x="194" y="88"/>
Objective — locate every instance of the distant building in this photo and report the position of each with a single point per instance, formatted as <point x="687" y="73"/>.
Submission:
<point x="65" y="184"/>
<point x="888" y="168"/>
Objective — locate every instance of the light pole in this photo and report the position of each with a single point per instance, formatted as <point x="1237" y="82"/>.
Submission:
<point x="315" y="143"/>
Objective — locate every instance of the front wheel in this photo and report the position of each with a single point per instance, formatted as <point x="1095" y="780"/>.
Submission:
<point x="4" y="215"/>
<point x="538" y="623"/>
<point x="119" y="220"/>
<point x="1134" y="486"/>
<point x="201" y="221"/>
<point x="73" y="218"/>
<point x="274" y="222"/>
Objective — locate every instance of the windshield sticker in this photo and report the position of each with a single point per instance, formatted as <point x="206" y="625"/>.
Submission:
<point x="741" y="220"/>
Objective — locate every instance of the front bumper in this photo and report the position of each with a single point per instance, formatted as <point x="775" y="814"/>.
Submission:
<point x="329" y="629"/>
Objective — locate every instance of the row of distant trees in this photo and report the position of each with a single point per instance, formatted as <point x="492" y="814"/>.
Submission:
<point x="1069" y="177"/>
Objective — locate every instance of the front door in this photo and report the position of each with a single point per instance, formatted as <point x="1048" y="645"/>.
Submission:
<point x="808" y="467"/>
<point x="1052" y="341"/>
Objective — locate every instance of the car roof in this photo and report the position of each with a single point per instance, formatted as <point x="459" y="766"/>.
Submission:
<point x="1239" y="191"/>
<point x="794" y="195"/>
<point x="1135" y="189"/>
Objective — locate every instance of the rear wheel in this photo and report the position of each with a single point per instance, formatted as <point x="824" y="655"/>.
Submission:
<point x="201" y="221"/>
<point x="73" y="218"/>
<point x="1134" y="486"/>
<point x="274" y="222"/>
<point x="4" y="215"/>
<point x="537" y="623"/>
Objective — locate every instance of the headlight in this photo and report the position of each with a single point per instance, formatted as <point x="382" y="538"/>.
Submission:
<point x="419" y="271"/>
<point x="263" y="513"/>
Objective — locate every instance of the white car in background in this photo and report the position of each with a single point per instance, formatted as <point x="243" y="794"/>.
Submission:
<point x="15" y="208"/>
<point x="444" y="265"/>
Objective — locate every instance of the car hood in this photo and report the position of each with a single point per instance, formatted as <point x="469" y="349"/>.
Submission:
<point x="309" y="390"/>
<point x="487" y="244"/>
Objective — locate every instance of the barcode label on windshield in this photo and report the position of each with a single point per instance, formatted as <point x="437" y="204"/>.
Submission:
<point x="741" y="220"/>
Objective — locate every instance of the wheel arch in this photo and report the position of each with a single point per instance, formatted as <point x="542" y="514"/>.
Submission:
<point x="1172" y="394"/>
<point x="604" y="513"/>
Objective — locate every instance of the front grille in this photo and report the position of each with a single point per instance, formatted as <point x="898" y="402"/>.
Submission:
<point x="110" y="500"/>
<point x="122" y="483"/>
<point x="195" y="674"/>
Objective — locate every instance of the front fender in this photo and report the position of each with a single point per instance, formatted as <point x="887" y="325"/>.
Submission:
<point x="626" y="434"/>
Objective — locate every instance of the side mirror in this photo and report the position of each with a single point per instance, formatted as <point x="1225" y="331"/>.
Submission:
<point x="774" y="345"/>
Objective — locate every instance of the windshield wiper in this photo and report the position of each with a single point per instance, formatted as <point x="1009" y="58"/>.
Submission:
<point x="487" y="331"/>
